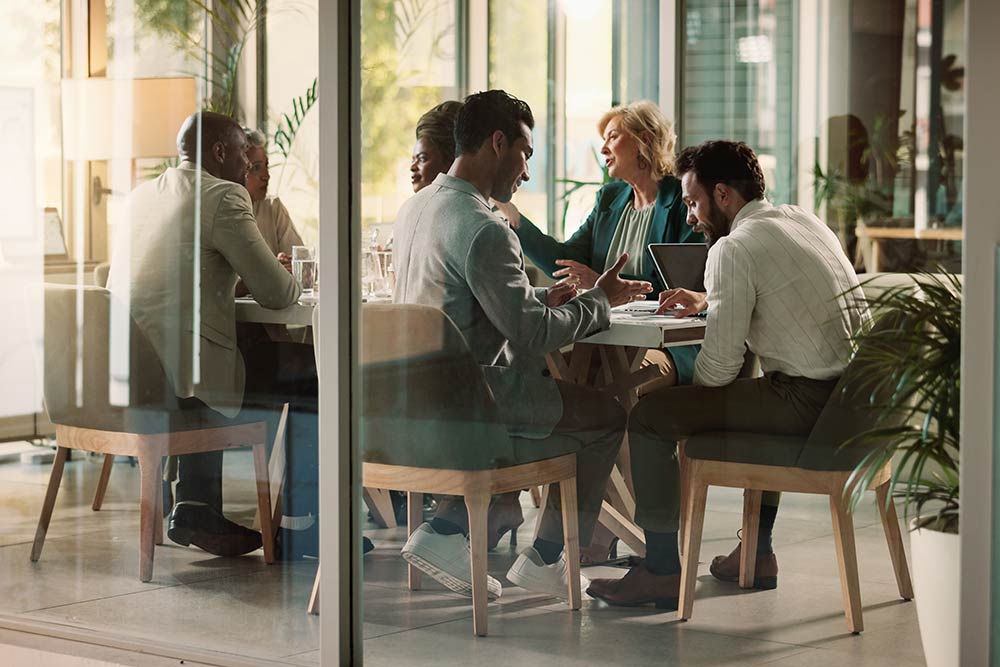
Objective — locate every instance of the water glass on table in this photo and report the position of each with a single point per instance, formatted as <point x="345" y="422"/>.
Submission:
<point x="305" y="269"/>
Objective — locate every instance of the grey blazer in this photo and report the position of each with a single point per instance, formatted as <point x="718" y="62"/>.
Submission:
<point x="153" y="269"/>
<point x="451" y="252"/>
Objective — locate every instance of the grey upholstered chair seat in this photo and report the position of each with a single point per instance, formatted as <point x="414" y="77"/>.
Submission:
<point x="831" y="445"/>
<point x="752" y="448"/>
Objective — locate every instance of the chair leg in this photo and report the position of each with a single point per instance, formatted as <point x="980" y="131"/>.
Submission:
<point x="847" y="561"/>
<point x="478" y="503"/>
<point x="380" y="503"/>
<point x="541" y="510"/>
<point x="158" y="517"/>
<point x="536" y="496"/>
<point x="682" y="465"/>
<point x="264" y="501"/>
<point x="313" y="606"/>
<point x="751" y="530"/>
<point x="571" y="539"/>
<point x="692" y="543"/>
<point x="892" y="535"/>
<point x="150" y="498"/>
<point x="414" y="517"/>
<point x="55" y="477"/>
<point x="102" y="482"/>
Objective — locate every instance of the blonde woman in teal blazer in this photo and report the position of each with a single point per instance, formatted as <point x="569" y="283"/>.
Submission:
<point x="642" y="206"/>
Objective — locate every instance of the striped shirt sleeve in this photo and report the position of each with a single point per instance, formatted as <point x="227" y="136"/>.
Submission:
<point x="730" y="282"/>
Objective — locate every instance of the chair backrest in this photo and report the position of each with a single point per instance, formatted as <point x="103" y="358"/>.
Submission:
<point x="79" y="387"/>
<point x="425" y="401"/>
<point x="850" y="411"/>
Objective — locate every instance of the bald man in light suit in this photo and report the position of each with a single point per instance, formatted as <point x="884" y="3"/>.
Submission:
<point x="196" y="221"/>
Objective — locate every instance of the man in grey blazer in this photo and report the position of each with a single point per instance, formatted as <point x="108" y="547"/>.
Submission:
<point x="453" y="253"/>
<point x="190" y="235"/>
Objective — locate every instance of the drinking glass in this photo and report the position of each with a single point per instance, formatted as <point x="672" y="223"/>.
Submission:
<point x="304" y="268"/>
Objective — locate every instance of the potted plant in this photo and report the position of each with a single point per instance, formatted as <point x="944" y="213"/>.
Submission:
<point x="915" y="362"/>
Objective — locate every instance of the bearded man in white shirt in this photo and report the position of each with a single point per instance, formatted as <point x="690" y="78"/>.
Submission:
<point x="778" y="283"/>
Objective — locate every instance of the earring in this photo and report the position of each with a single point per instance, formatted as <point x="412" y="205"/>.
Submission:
<point x="643" y="164"/>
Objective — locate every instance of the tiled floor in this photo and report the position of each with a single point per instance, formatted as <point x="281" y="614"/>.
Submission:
<point x="88" y="576"/>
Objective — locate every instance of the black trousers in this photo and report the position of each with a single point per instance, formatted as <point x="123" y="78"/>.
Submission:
<point x="277" y="373"/>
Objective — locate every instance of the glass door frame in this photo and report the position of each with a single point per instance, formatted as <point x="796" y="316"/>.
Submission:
<point x="340" y="206"/>
<point x="979" y="335"/>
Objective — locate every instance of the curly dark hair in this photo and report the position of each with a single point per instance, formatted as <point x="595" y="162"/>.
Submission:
<point x="730" y="162"/>
<point x="486" y="112"/>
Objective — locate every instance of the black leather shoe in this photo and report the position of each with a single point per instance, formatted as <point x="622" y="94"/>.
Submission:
<point x="206" y="528"/>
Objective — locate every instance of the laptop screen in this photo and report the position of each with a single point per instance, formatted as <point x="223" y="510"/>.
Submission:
<point x="680" y="264"/>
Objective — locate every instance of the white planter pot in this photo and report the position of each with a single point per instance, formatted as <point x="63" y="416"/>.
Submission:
<point x="935" y="567"/>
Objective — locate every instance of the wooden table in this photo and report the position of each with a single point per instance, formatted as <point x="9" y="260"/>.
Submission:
<point x="622" y="349"/>
<point x="875" y="235"/>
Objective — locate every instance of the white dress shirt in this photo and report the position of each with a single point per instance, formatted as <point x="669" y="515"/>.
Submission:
<point x="777" y="282"/>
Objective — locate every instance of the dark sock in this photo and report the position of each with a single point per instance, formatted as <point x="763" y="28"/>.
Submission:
<point x="445" y="527"/>
<point x="662" y="556"/>
<point x="767" y="515"/>
<point x="549" y="551"/>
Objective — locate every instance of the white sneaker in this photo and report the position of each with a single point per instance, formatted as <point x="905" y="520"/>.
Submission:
<point x="530" y="572"/>
<point x="446" y="558"/>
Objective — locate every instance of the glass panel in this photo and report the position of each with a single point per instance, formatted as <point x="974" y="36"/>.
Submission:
<point x="408" y="52"/>
<point x="738" y="81"/>
<point x="886" y="143"/>
<point x="291" y="119"/>
<point x="588" y="96"/>
<point x="518" y="63"/>
<point x="178" y="377"/>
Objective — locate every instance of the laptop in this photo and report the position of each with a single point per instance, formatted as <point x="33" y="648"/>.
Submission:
<point x="680" y="264"/>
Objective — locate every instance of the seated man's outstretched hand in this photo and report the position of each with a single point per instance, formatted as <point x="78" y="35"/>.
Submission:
<point x="681" y="302"/>
<point x="619" y="290"/>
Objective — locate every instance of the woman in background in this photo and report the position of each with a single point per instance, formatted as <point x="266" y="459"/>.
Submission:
<point x="273" y="221"/>
<point x="435" y="148"/>
<point x="642" y="205"/>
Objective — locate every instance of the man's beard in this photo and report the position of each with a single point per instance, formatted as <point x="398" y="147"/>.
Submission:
<point x="720" y="224"/>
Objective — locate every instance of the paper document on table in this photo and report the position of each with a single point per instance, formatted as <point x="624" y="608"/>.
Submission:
<point x="645" y="312"/>
<point x="662" y="321"/>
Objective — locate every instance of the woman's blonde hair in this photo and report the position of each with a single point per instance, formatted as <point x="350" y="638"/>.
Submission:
<point x="655" y="134"/>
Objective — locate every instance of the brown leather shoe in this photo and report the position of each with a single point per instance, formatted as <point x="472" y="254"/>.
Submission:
<point x="639" y="586"/>
<point x="727" y="568"/>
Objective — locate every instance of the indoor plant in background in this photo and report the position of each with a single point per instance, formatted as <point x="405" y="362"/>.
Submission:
<point x="917" y="361"/>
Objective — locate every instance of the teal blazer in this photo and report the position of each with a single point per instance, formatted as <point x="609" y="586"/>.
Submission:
<point x="591" y="242"/>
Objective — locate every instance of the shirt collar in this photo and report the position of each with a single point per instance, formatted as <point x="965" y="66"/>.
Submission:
<point x="750" y="208"/>
<point x="445" y="181"/>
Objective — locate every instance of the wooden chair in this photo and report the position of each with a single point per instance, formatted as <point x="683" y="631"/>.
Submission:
<point x="429" y="425"/>
<point x="139" y="423"/>
<point x="815" y="464"/>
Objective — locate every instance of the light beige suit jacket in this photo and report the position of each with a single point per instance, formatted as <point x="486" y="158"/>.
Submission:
<point x="451" y="252"/>
<point x="188" y="238"/>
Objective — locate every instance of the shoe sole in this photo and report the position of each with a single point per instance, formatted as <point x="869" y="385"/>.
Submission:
<point x="525" y="583"/>
<point x="449" y="581"/>
<point x="668" y="604"/>
<point x="759" y="583"/>
<point x="186" y="538"/>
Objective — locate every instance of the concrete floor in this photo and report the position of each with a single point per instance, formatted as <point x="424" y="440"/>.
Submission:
<point x="88" y="577"/>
